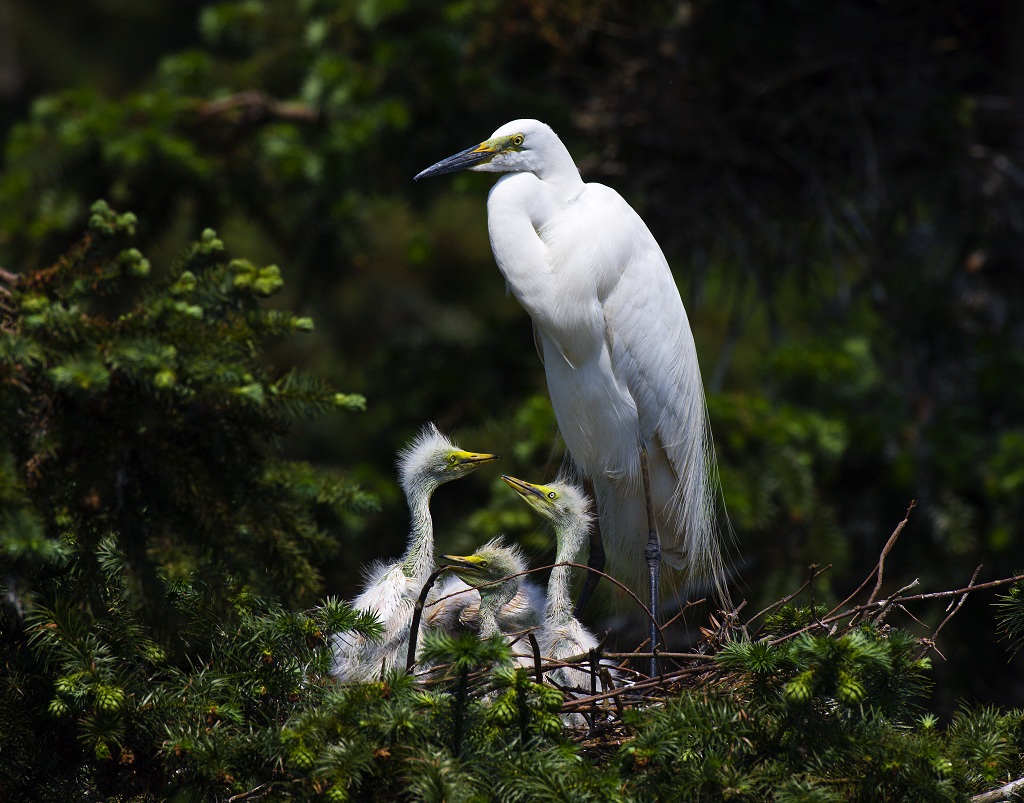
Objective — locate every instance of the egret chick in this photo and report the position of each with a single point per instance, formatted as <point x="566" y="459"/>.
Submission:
<point x="456" y="607"/>
<point x="619" y="357"/>
<point x="490" y="570"/>
<point x="561" y="635"/>
<point x="391" y="590"/>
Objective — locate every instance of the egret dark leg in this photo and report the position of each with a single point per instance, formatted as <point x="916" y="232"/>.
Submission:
<point x="652" y="552"/>
<point x="595" y="558"/>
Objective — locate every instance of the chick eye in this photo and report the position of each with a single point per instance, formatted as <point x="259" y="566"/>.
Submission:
<point x="453" y="459"/>
<point x="552" y="495"/>
<point x="517" y="140"/>
<point x="483" y="564"/>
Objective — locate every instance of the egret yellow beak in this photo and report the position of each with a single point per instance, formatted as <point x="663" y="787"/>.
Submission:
<point x="478" y="154"/>
<point x="527" y="490"/>
<point x="462" y="459"/>
<point x="467" y="567"/>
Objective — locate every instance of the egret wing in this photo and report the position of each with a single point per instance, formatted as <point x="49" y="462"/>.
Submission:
<point x="652" y="351"/>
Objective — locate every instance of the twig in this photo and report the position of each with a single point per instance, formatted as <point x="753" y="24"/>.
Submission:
<point x="9" y="279"/>
<point x="885" y="551"/>
<point x="790" y="597"/>
<point x="810" y="590"/>
<point x="256" y="106"/>
<point x="610" y="579"/>
<point x="1004" y="792"/>
<point x="249" y="794"/>
<point x="417" y="614"/>
<point x="641" y="605"/>
<point x="881" y="559"/>
<point x="537" y="667"/>
<point x="684" y="655"/>
<point x="950" y="615"/>
<point x="887" y="603"/>
<point x="608" y="683"/>
<point x="893" y="601"/>
<point x="689" y="604"/>
<point x="957" y="591"/>
<point x="641" y="685"/>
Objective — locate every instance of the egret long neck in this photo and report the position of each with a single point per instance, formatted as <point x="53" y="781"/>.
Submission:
<point x="419" y="556"/>
<point x="492" y="601"/>
<point x="519" y="208"/>
<point x="489" y="608"/>
<point x="570" y="541"/>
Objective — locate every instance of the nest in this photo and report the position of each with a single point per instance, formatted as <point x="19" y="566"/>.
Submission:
<point x="643" y="678"/>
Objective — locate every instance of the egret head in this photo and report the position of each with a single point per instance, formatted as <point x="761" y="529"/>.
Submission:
<point x="490" y="569"/>
<point x="562" y="503"/>
<point x="431" y="459"/>
<point x="521" y="146"/>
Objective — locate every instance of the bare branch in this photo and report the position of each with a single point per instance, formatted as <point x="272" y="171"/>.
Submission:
<point x="883" y="605"/>
<point x="1004" y="792"/>
<point x="776" y="605"/>
<point x="949" y="616"/>
<point x="417" y="614"/>
<point x="254" y="106"/>
<point x="885" y="551"/>
<point x="877" y="571"/>
<point x="537" y="664"/>
<point x="252" y="794"/>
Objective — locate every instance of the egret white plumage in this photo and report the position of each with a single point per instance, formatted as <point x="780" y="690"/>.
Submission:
<point x="561" y="635"/>
<point x="493" y="571"/>
<point x="617" y="349"/>
<point x="391" y="589"/>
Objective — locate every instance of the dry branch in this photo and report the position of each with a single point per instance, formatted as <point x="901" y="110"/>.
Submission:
<point x="253" y="106"/>
<point x="1005" y="792"/>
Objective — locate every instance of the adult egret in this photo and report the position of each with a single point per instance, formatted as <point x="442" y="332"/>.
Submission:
<point x="391" y="589"/>
<point x="491" y="571"/>
<point x="618" y="353"/>
<point x="561" y="635"/>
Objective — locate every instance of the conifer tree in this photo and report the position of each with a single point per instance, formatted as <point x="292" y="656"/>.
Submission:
<point x="150" y="530"/>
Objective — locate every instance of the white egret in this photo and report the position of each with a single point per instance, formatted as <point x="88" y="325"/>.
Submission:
<point x="562" y="635"/>
<point x="392" y="589"/>
<point x="492" y="571"/>
<point x="618" y="353"/>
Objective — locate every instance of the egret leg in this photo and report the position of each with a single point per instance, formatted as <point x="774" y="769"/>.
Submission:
<point x="595" y="558"/>
<point x="652" y="552"/>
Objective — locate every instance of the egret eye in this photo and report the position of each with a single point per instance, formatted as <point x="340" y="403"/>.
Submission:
<point x="552" y="495"/>
<point x="453" y="459"/>
<point x="517" y="140"/>
<point x="483" y="564"/>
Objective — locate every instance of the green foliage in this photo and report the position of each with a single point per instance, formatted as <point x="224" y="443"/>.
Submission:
<point x="855" y="294"/>
<point x="1010" y="608"/>
<point x="141" y="716"/>
<point x="139" y="472"/>
<point x="846" y="232"/>
<point x="816" y="718"/>
<point x="989" y="744"/>
<point x="140" y="409"/>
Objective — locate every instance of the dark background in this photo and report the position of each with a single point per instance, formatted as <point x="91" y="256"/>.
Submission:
<point x="837" y="186"/>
